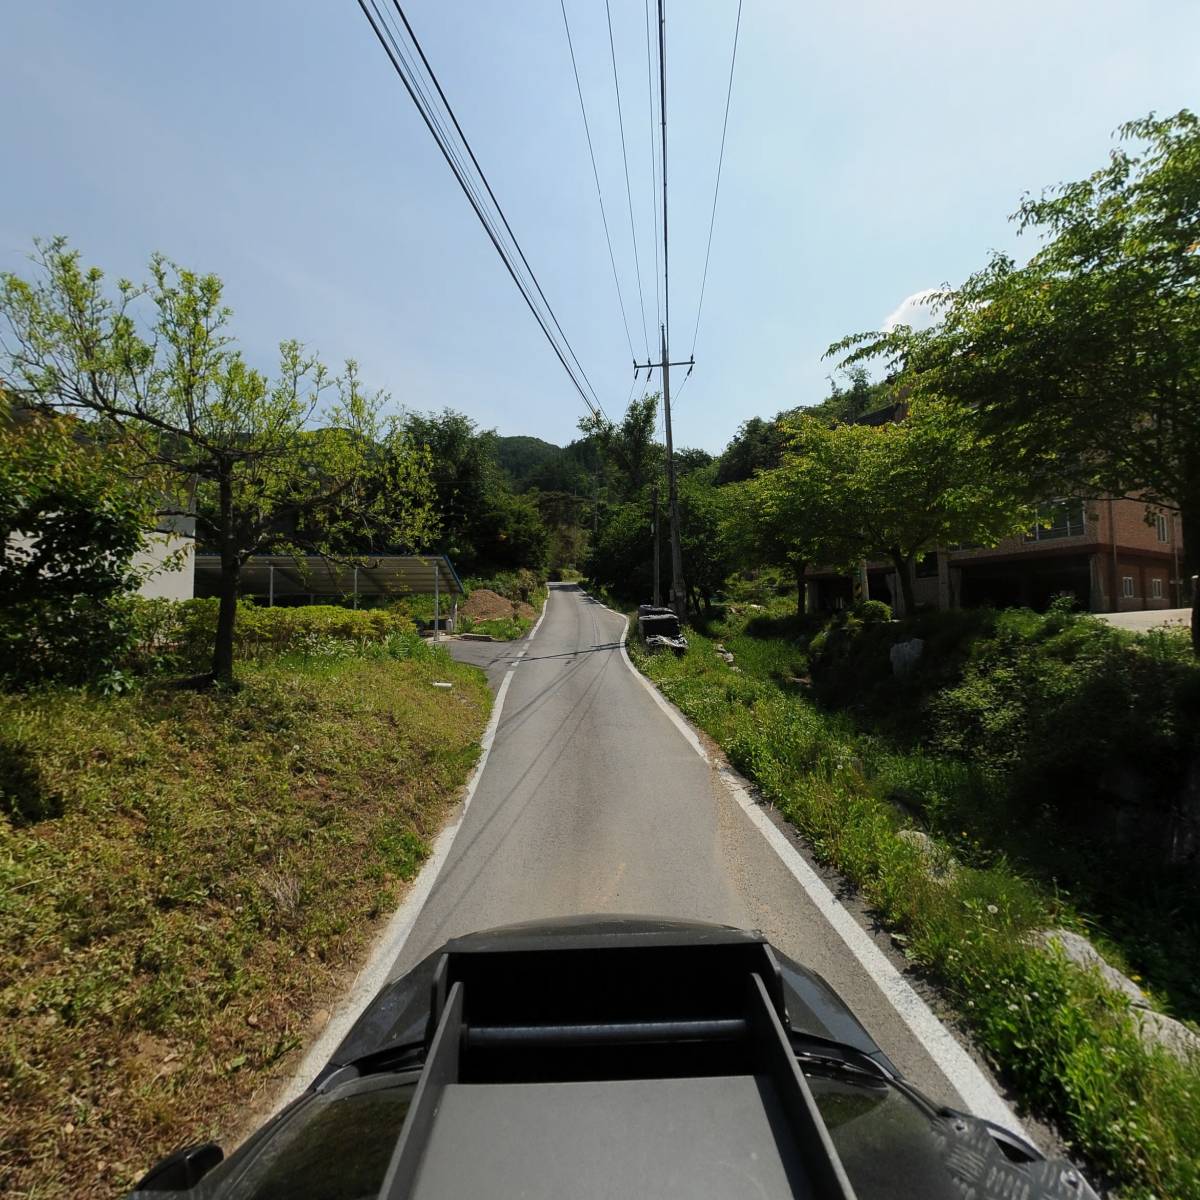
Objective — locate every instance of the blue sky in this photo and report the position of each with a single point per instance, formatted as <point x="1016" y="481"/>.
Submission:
<point x="875" y="150"/>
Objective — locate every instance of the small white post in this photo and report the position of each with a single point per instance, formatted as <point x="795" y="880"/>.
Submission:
<point x="437" y="626"/>
<point x="454" y="617"/>
<point x="271" y="585"/>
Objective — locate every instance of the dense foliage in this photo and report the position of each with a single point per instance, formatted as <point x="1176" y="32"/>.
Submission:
<point x="257" y="462"/>
<point x="1085" y="362"/>
<point x="70" y="526"/>
<point x="965" y="909"/>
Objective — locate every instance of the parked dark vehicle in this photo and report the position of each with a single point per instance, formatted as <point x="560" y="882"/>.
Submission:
<point x="614" y="1056"/>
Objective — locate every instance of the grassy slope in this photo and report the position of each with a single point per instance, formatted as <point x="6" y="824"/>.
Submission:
<point x="218" y="862"/>
<point x="1056" y="1035"/>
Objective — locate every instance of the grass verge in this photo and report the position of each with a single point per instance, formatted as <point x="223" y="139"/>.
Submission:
<point x="205" y="869"/>
<point x="1065" y="1043"/>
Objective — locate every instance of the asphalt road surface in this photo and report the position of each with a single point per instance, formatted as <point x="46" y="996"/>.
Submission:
<point x="592" y="801"/>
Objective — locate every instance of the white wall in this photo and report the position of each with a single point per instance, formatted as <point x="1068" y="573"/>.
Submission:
<point x="158" y="549"/>
<point x="178" y="584"/>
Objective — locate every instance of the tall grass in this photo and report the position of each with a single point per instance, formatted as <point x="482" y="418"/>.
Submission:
<point x="186" y="878"/>
<point x="1067" y="1045"/>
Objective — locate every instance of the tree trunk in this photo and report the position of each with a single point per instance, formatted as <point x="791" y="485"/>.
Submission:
<point x="906" y="585"/>
<point x="1189" y="521"/>
<point x="231" y="566"/>
<point x="800" y="604"/>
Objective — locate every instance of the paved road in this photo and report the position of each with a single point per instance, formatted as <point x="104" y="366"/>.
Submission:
<point x="593" y="801"/>
<point x="1155" y="618"/>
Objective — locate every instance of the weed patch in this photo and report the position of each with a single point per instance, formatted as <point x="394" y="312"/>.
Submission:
<point x="1068" y="1046"/>
<point x="210" y="865"/>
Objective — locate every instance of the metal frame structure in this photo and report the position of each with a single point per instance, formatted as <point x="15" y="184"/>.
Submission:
<point x="272" y="576"/>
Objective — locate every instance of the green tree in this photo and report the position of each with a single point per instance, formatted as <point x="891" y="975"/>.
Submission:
<point x="154" y="368"/>
<point x="758" y="445"/>
<point x="512" y="533"/>
<point x="796" y="515"/>
<point x="620" y="555"/>
<point x="70" y="525"/>
<point x="690" y="459"/>
<point x="704" y="534"/>
<point x="1084" y="364"/>
<point x="844" y="493"/>
<point x="928" y="480"/>
<point x="629" y="445"/>
<point x="465" y="476"/>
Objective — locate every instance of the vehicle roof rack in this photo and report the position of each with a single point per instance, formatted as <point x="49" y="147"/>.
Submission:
<point x="658" y="1069"/>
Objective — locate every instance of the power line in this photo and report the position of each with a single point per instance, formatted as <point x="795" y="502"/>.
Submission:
<point x="653" y="171"/>
<point x="596" y="175"/>
<point x="628" y="190"/>
<point x="717" y="187"/>
<point x="458" y="129"/>
<point x="455" y="160"/>
<point x="404" y="68"/>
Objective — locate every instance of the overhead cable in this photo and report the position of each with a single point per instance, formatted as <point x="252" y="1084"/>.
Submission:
<point x="405" y="68"/>
<point x="653" y="174"/>
<point x="596" y="175"/>
<point x="492" y="195"/>
<point x="628" y="190"/>
<point x="717" y="187"/>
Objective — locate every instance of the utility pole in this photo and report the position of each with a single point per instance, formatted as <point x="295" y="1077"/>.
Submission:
<point x="678" y="592"/>
<point x="678" y="597"/>
<point x="657" y="556"/>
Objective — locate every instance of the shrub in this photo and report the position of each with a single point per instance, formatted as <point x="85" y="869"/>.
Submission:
<point x="178" y="635"/>
<point x="70" y="525"/>
<point x="872" y="612"/>
<point x="521" y="586"/>
<point x="1066" y="1044"/>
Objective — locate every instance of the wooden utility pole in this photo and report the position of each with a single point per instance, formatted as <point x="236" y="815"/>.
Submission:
<point x="678" y="596"/>
<point x="678" y="591"/>
<point x="654" y="534"/>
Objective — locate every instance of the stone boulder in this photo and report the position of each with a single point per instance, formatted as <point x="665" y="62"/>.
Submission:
<point x="1082" y="953"/>
<point x="939" y="863"/>
<point x="905" y="656"/>
<point x="1154" y="1028"/>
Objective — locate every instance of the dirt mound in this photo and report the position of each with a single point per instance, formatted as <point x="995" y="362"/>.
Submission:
<point x="485" y="605"/>
<point x="525" y="610"/>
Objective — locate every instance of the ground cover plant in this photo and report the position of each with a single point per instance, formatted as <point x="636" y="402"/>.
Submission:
<point x="1068" y="1046"/>
<point x="1054" y="740"/>
<point x="504" y="606"/>
<point x="185" y="877"/>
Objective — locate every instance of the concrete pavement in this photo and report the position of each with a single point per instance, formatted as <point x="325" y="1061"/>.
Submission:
<point x="1155" y="618"/>
<point x="593" y="800"/>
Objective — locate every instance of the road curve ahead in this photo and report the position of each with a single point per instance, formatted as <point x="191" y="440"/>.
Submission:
<point x="593" y="801"/>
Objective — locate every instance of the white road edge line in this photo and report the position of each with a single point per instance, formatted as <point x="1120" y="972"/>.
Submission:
<point x="391" y="940"/>
<point x="978" y="1094"/>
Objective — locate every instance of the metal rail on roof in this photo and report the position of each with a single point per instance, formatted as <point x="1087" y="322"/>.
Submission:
<point x="663" y="1082"/>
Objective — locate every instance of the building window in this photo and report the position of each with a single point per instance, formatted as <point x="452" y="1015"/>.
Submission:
<point x="1126" y="585"/>
<point x="927" y="565"/>
<point x="1160" y="523"/>
<point x="1059" y="519"/>
<point x="1156" y="588"/>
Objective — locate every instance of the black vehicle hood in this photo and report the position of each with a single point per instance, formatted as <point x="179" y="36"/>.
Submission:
<point x="399" y="1013"/>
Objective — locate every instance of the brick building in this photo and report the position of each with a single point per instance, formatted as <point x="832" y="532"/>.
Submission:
<point x="1106" y="552"/>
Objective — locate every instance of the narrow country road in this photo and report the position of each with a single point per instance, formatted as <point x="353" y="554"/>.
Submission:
<point x="592" y="800"/>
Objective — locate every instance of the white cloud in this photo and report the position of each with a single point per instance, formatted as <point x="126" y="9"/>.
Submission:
<point x="912" y="310"/>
